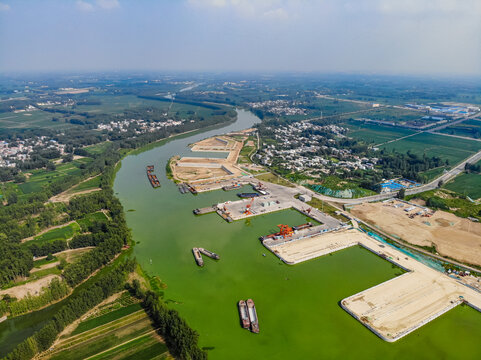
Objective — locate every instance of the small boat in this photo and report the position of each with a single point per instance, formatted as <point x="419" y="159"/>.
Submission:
<point x="253" y="316"/>
<point x="243" y="314"/>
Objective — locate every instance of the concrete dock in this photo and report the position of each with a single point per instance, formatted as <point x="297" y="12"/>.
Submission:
<point x="398" y="306"/>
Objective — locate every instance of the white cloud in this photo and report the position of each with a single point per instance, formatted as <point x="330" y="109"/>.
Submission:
<point x="108" y="4"/>
<point x="416" y="7"/>
<point x="97" y="5"/>
<point x="4" y="7"/>
<point x="252" y="9"/>
<point x="84" y="6"/>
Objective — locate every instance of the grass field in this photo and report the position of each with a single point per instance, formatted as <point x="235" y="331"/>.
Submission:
<point x="270" y="177"/>
<point x="97" y="148"/>
<point x="376" y="134"/>
<point x="86" y="221"/>
<point x="447" y="148"/>
<point x="62" y="233"/>
<point x="41" y="177"/>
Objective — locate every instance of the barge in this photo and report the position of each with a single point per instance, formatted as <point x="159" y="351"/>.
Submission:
<point x="191" y="189"/>
<point x="198" y="257"/>
<point x="152" y="177"/>
<point x="243" y="314"/>
<point x="251" y="309"/>
<point x="231" y="187"/>
<point x="183" y="189"/>
<point x="303" y="226"/>
<point x="202" y="211"/>
<point x="209" y="254"/>
<point x="248" y="195"/>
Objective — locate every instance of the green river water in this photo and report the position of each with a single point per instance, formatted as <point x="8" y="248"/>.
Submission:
<point x="298" y="306"/>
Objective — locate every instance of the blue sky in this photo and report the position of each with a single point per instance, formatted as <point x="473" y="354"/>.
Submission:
<point x="367" y="36"/>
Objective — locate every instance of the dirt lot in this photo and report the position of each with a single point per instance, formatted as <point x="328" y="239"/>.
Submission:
<point x="452" y="236"/>
<point x="205" y="170"/>
<point x="32" y="288"/>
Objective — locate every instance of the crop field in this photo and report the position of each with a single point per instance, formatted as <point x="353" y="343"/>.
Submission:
<point x="33" y="119"/>
<point x="447" y="148"/>
<point x="41" y="177"/>
<point x="469" y="128"/>
<point x="466" y="184"/>
<point x="116" y="104"/>
<point x="87" y="185"/>
<point x="62" y="233"/>
<point x="394" y="114"/>
<point x="119" y="330"/>
<point x="376" y="134"/>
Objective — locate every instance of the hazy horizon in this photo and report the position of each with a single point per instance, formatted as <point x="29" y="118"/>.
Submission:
<point x="378" y="37"/>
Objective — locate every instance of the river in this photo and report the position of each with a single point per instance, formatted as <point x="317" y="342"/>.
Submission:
<point x="297" y="306"/>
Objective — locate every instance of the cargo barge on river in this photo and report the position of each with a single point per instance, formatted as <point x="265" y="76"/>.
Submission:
<point x="198" y="257"/>
<point x="209" y="254"/>
<point x="152" y="177"/>
<point x="251" y="309"/>
<point x="243" y="314"/>
<point x="248" y="195"/>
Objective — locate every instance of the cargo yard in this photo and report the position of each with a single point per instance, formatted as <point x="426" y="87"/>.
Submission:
<point x="450" y="235"/>
<point x="398" y="306"/>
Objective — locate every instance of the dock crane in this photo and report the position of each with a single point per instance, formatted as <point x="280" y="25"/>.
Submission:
<point x="248" y="207"/>
<point x="285" y="230"/>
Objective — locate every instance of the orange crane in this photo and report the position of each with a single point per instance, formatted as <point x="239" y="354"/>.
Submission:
<point x="285" y="230"/>
<point x="248" y="207"/>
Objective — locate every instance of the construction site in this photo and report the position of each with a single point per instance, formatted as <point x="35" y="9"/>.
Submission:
<point x="396" y="307"/>
<point x="208" y="173"/>
<point x="449" y="234"/>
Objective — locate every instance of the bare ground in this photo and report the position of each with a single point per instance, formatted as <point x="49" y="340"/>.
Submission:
<point x="452" y="236"/>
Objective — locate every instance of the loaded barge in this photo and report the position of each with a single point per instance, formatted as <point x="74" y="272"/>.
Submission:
<point x="248" y="195"/>
<point x="198" y="257"/>
<point x="251" y="309"/>
<point x="152" y="177"/>
<point x="243" y="314"/>
<point x="209" y="254"/>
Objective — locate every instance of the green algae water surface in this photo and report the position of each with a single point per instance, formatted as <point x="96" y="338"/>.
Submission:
<point x="298" y="306"/>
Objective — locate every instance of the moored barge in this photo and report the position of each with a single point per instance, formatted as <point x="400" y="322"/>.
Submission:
<point x="251" y="309"/>
<point x="248" y="195"/>
<point x="209" y="254"/>
<point x="198" y="257"/>
<point x="243" y="314"/>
